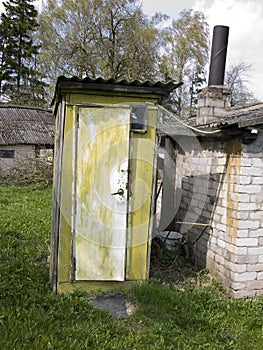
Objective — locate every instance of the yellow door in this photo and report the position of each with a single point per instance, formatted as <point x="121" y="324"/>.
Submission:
<point x="101" y="193"/>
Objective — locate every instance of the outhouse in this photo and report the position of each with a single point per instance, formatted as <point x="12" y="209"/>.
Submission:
<point x="104" y="182"/>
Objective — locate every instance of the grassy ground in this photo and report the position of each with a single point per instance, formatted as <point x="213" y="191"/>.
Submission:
<point x="168" y="316"/>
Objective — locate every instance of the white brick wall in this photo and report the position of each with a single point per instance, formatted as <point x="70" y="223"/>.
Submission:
<point x="230" y="198"/>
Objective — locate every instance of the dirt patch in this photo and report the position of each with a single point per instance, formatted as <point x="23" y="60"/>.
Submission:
<point x="172" y="268"/>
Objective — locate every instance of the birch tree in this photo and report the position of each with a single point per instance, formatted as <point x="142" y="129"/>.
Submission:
<point x="111" y="39"/>
<point x="184" y="58"/>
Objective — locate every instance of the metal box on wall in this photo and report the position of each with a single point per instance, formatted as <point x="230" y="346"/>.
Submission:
<point x="104" y="180"/>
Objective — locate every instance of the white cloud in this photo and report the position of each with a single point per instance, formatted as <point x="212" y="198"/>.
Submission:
<point x="245" y="21"/>
<point x="169" y="7"/>
<point x="1" y="6"/>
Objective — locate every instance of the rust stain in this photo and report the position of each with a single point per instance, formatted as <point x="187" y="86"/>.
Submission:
<point x="233" y="153"/>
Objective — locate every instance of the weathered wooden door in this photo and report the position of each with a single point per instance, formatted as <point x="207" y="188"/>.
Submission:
<point x="101" y="193"/>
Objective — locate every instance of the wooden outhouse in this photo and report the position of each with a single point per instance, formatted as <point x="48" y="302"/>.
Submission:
<point x="104" y="181"/>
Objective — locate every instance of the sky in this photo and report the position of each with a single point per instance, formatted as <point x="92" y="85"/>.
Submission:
<point x="245" y="21"/>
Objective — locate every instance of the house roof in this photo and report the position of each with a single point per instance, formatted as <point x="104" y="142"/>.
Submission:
<point x="243" y="117"/>
<point x="163" y="89"/>
<point x="239" y="118"/>
<point x="25" y="125"/>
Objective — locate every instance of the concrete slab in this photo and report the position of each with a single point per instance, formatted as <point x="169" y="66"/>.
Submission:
<point x="115" y="305"/>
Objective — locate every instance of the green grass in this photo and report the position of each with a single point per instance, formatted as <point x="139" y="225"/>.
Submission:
<point x="167" y="317"/>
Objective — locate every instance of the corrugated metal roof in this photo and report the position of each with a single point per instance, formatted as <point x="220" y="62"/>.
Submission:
<point x="250" y="116"/>
<point x="116" y="85"/>
<point x="135" y="83"/>
<point x="26" y="125"/>
<point x="243" y="117"/>
<point x="239" y="117"/>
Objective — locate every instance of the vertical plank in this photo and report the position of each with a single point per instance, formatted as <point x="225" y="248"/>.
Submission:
<point x="65" y="230"/>
<point x="58" y="153"/>
<point x="142" y="187"/>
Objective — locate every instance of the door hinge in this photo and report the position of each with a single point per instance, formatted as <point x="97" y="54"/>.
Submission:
<point x="77" y="120"/>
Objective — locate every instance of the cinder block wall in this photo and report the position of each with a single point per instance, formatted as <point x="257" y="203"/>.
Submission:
<point x="220" y="184"/>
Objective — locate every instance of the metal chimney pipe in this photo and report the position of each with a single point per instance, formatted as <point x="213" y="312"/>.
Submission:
<point x="218" y="55"/>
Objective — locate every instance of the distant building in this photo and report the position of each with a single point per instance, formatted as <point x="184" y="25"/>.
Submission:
<point x="26" y="135"/>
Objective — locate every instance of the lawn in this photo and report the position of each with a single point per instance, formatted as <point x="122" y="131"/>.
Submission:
<point x="167" y="317"/>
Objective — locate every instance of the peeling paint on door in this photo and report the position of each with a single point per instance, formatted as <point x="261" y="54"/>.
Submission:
<point x="104" y="182"/>
<point x="101" y="193"/>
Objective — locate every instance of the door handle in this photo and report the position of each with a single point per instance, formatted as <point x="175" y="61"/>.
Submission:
<point x="120" y="192"/>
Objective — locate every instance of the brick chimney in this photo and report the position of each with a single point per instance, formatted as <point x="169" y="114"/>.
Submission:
<point x="214" y="100"/>
<point x="213" y="104"/>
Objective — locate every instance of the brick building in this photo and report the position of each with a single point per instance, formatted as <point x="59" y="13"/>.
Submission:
<point x="218" y="196"/>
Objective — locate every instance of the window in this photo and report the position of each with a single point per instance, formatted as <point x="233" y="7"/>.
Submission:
<point x="4" y="153"/>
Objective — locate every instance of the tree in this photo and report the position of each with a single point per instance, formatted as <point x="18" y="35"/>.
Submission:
<point x="237" y="79"/>
<point x="115" y="39"/>
<point x="20" y="79"/>
<point x="97" y="38"/>
<point x="184" y="58"/>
